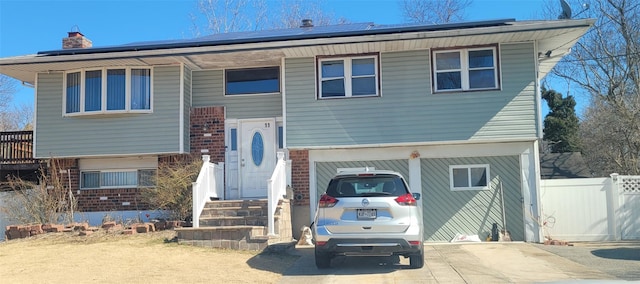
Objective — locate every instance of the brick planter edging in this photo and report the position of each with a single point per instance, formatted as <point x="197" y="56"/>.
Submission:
<point x="13" y="232"/>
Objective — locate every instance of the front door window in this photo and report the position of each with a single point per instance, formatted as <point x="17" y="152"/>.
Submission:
<point x="257" y="149"/>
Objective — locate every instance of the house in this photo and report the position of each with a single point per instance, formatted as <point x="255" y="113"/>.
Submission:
<point x="455" y="108"/>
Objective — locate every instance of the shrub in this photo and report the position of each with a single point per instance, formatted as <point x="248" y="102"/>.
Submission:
<point x="47" y="201"/>
<point x="173" y="190"/>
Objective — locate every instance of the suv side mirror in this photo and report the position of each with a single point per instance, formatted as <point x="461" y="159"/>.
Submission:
<point x="416" y="196"/>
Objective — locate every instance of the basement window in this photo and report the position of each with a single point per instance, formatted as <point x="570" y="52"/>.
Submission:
<point x="117" y="179"/>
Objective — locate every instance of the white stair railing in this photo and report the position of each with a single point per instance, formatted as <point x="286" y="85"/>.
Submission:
<point x="209" y="185"/>
<point x="276" y="189"/>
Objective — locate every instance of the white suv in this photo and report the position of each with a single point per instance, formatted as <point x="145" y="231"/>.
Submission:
<point x="368" y="213"/>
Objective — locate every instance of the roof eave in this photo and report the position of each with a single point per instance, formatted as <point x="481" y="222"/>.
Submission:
<point x="534" y="25"/>
<point x="389" y="35"/>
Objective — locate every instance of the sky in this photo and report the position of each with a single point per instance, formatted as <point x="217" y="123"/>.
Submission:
<point x="29" y="26"/>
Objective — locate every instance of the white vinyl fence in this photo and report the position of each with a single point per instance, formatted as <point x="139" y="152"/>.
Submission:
<point x="591" y="209"/>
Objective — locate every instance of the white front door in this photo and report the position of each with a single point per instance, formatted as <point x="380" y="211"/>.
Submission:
<point x="257" y="156"/>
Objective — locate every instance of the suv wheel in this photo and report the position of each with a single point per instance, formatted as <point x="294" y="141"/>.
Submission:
<point x="416" y="260"/>
<point x="323" y="260"/>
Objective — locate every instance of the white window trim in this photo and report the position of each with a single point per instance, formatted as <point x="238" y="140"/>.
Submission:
<point x="104" y="91"/>
<point x="464" y="69"/>
<point x="224" y="82"/>
<point x="347" y="61"/>
<point x="114" y="171"/>
<point x="469" y="167"/>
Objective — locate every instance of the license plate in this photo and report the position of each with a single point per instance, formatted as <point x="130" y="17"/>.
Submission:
<point x="367" y="214"/>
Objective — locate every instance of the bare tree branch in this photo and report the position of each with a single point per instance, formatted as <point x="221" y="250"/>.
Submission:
<point x="221" y="16"/>
<point x="12" y="117"/>
<point x="434" y="11"/>
<point x="7" y="89"/>
<point x="605" y="64"/>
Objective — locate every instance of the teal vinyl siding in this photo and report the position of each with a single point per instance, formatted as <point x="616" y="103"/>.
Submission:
<point x="407" y="111"/>
<point x="326" y="170"/>
<point x="108" y="134"/>
<point x="447" y="213"/>
<point x="208" y="90"/>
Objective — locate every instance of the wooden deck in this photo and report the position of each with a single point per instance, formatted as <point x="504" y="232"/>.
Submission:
<point x="16" y="147"/>
<point x="16" y="156"/>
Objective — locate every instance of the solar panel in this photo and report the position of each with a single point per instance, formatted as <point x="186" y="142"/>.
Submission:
<point x="299" y="33"/>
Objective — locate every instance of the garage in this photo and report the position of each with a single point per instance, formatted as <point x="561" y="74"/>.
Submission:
<point x="472" y="210"/>
<point x="464" y="188"/>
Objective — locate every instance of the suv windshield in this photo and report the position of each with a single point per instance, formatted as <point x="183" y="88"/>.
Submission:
<point x="366" y="186"/>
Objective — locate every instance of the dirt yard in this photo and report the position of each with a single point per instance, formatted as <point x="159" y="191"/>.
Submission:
<point x="141" y="258"/>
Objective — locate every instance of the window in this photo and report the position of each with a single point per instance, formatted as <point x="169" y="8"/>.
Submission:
<point x="348" y="77"/>
<point x="465" y="69"/>
<point x="280" y="137"/>
<point x="108" y="90"/>
<point x="234" y="139"/>
<point x="469" y="177"/>
<point x="252" y="81"/>
<point x="117" y="179"/>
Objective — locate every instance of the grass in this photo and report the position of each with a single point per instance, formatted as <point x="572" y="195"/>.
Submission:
<point x="142" y="258"/>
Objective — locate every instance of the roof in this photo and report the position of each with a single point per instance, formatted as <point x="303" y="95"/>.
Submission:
<point x="563" y="165"/>
<point x="268" y="48"/>
<point x="342" y="30"/>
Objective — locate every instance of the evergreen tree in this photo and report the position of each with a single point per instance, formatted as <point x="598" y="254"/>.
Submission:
<point x="561" y="124"/>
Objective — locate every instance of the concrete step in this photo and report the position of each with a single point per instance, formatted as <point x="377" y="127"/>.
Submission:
<point x="236" y="203"/>
<point x="238" y="224"/>
<point x="235" y="221"/>
<point x="234" y="211"/>
<point x="228" y="237"/>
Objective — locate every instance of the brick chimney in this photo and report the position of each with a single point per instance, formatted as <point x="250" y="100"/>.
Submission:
<point x="76" y="40"/>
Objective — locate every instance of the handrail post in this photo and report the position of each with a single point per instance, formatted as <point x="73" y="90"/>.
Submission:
<point x="195" y="219"/>
<point x="270" y="215"/>
<point x="276" y="188"/>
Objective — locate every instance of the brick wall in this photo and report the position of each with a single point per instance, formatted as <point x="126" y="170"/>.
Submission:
<point x="207" y="132"/>
<point x="300" y="176"/>
<point x="67" y="172"/>
<point x="91" y="200"/>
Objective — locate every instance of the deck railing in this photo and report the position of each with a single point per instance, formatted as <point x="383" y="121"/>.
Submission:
<point x="277" y="189"/>
<point x="209" y="185"/>
<point x="16" y="147"/>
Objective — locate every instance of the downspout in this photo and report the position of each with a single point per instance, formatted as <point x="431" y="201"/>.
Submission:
<point x="283" y="91"/>
<point x="536" y="208"/>
<point x="538" y="94"/>
<point x="181" y="127"/>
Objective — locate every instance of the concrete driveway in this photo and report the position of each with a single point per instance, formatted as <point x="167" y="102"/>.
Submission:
<point x="461" y="263"/>
<point x="618" y="259"/>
